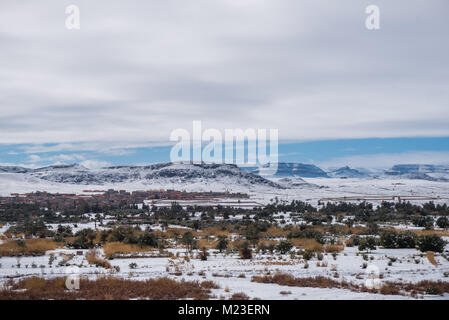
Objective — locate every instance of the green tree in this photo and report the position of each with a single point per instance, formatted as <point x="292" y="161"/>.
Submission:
<point x="188" y="240"/>
<point x="252" y="234"/>
<point x="431" y="243"/>
<point x="389" y="239"/>
<point x="367" y="244"/>
<point x="222" y="243"/>
<point x="245" y="251"/>
<point x="443" y="222"/>
<point x="284" y="246"/>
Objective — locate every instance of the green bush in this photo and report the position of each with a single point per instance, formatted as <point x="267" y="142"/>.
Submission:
<point x="367" y="244"/>
<point x="308" y="254"/>
<point x="284" y="246"/>
<point x="443" y="222"/>
<point x="245" y="251"/>
<point x="431" y="243"/>
<point x="391" y="240"/>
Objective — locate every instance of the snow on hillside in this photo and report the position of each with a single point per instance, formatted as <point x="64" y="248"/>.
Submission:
<point x="190" y="177"/>
<point x="201" y="177"/>
<point x="321" y="188"/>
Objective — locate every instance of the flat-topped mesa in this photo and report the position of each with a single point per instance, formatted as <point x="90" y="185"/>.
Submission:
<point x="160" y="173"/>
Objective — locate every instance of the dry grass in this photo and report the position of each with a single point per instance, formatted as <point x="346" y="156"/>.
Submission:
<point x="307" y="244"/>
<point x="441" y="233"/>
<point x="32" y="247"/>
<point x="310" y="282"/>
<point x="350" y="242"/>
<point x="331" y="248"/>
<point x="208" y="244"/>
<point x="391" y="288"/>
<point x="268" y="242"/>
<point x="209" y="285"/>
<point x="212" y="231"/>
<point x="107" y="288"/>
<point x="65" y="258"/>
<point x="274" y="231"/>
<point x="422" y="287"/>
<point x="285" y="292"/>
<point x="280" y="263"/>
<point x="171" y="232"/>
<point x="236" y="244"/>
<point x="239" y="296"/>
<point x="115" y="248"/>
<point x="431" y="257"/>
<point x="355" y="230"/>
<point x="93" y="258"/>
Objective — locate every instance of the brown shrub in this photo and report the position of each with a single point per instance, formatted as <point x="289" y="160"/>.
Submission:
<point x="94" y="259"/>
<point x="393" y="288"/>
<point x="350" y="242"/>
<point x="113" y="248"/>
<point x="311" y="282"/>
<point x="29" y="247"/>
<point x="246" y="253"/>
<point x="239" y="296"/>
<point x="107" y="288"/>
<point x="389" y="288"/>
<point x="208" y="244"/>
<point x="209" y="285"/>
<point x="425" y="286"/>
<point x="431" y="257"/>
<point x="274" y="231"/>
<point x="330" y="248"/>
<point x="307" y="244"/>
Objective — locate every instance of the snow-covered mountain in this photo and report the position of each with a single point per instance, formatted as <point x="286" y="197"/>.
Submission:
<point x="200" y="177"/>
<point x="347" y="172"/>
<point x="400" y="171"/>
<point x="162" y="174"/>
<point x="292" y="169"/>
<point x="14" y="169"/>
<point x="420" y="171"/>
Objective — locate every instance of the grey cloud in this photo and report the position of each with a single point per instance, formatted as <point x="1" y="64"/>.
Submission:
<point x="137" y="70"/>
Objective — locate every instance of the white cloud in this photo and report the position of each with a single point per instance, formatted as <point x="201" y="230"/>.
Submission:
<point x="60" y="158"/>
<point x="386" y="160"/>
<point x="95" y="164"/>
<point x="34" y="158"/>
<point x="110" y="148"/>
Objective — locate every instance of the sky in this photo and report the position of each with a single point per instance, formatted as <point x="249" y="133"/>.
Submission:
<point x="113" y="91"/>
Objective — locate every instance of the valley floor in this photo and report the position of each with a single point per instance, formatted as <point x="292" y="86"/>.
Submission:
<point x="234" y="275"/>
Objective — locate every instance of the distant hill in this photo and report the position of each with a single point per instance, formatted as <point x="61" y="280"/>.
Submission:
<point x="288" y="169"/>
<point x="347" y="172"/>
<point x="420" y="171"/>
<point x="161" y="174"/>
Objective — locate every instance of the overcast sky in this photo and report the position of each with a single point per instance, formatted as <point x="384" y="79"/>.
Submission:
<point x="136" y="70"/>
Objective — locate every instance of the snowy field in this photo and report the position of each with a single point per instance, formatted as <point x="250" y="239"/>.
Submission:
<point x="233" y="275"/>
<point x="312" y="191"/>
<point x="336" y="188"/>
